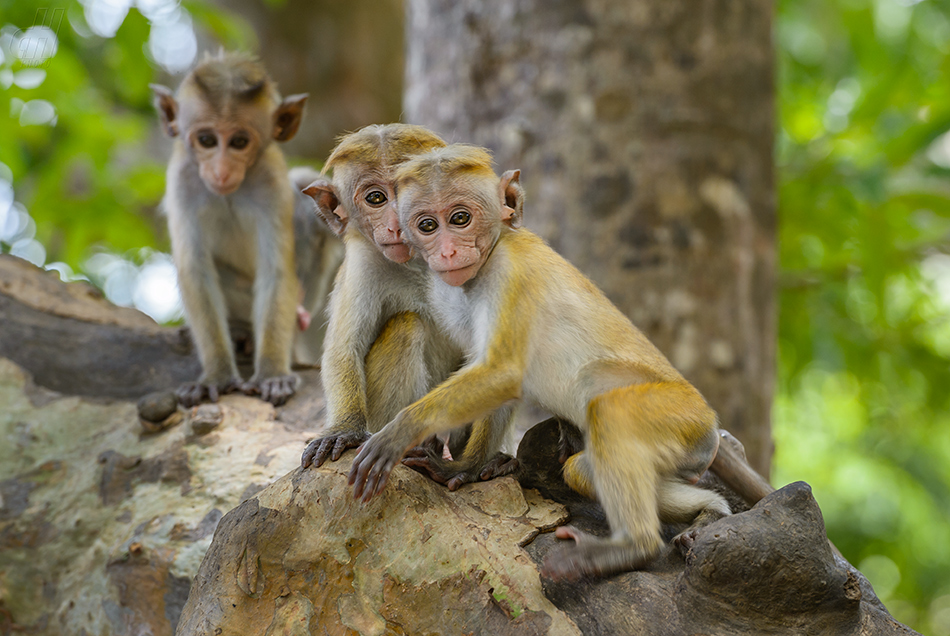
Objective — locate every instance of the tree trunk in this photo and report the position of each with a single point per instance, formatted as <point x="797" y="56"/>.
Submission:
<point x="347" y="55"/>
<point x="644" y="132"/>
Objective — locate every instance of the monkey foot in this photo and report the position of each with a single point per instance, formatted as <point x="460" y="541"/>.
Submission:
<point x="331" y="446"/>
<point x="432" y="445"/>
<point x="194" y="393"/>
<point x="275" y="390"/>
<point x="454" y="474"/>
<point x="592" y="556"/>
<point x="683" y="542"/>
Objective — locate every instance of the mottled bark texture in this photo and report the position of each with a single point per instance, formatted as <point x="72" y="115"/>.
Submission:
<point x="644" y="130"/>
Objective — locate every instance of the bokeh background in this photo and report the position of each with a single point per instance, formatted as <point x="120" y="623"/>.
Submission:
<point x="862" y="407"/>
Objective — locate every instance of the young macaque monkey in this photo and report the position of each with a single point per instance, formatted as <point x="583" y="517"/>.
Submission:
<point x="383" y="349"/>
<point x="380" y="343"/>
<point x="533" y="327"/>
<point x="230" y="206"/>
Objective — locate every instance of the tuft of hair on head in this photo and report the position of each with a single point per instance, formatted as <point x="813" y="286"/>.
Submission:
<point x="383" y="145"/>
<point x="231" y="75"/>
<point x="453" y="161"/>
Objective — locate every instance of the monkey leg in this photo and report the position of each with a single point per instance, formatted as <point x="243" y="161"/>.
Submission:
<point x="206" y="312"/>
<point x="276" y="290"/>
<point x="579" y="474"/>
<point x="396" y="375"/>
<point x="636" y="435"/>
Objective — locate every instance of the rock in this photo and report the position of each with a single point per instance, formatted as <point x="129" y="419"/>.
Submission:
<point x="304" y="557"/>
<point x="204" y="418"/>
<point x="418" y="558"/>
<point x="102" y="528"/>
<point x="158" y="411"/>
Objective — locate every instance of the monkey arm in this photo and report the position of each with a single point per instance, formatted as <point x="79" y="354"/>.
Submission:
<point x="466" y="396"/>
<point x="353" y="323"/>
<point x="276" y="290"/>
<point x="204" y="305"/>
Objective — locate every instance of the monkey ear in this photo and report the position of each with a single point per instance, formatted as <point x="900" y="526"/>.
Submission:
<point x="167" y="108"/>
<point x="288" y="115"/>
<point x="328" y="205"/>
<point x="512" y="197"/>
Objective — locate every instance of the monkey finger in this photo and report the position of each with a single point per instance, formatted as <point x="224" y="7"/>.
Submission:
<point x="460" y="480"/>
<point x="358" y="471"/>
<point x="339" y="447"/>
<point x="378" y="478"/>
<point x="309" y="453"/>
<point x="323" y="451"/>
<point x="570" y="532"/>
<point x="499" y="466"/>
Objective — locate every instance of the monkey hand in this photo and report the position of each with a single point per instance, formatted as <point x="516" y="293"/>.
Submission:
<point x="276" y="389"/>
<point x="593" y="556"/>
<point x="332" y="446"/>
<point x="455" y="473"/>
<point x="376" y="459"/>
<point x="194" y="393"/>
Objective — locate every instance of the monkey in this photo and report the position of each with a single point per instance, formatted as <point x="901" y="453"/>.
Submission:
<point x="534" y="328"/>
<point x="383" y="350"/>
<point x="317" y="255"/>
<point x="230" y="206"/>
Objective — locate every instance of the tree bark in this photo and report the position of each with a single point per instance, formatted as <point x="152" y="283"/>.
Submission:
<point x="347" y="55"/>
<point x="644" y="132"/>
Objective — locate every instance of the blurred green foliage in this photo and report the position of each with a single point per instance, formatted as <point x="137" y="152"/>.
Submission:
<point x="81" y="174"/>
<point x="863" y="408"/>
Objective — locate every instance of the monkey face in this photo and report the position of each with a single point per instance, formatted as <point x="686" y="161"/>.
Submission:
<point x="224" y="153"/>
<point x="378" y="220"/>
<point x="453" y="208"/>
<point x="454" y="239"/>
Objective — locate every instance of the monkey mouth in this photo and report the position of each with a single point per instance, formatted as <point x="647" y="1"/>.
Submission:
<point x="224" y="189"/>
<point x="398" y="252"/>
<point x="457" y="276"/>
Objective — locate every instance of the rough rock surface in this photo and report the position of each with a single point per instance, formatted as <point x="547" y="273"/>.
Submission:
<point x="102" y="526"/>
<point x="302" y="557"/>
<point x="417" y="559"/>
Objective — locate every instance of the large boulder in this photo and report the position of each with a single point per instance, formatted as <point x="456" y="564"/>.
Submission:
<point x="303" y="557"/>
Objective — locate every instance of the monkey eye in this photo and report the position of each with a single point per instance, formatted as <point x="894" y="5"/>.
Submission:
<point x="427" y="226"/>
<point x="376" y="197"/>
<point x="207" y="140"/>
<point x="239" y="142"/>
<point x="460" y="218"/>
